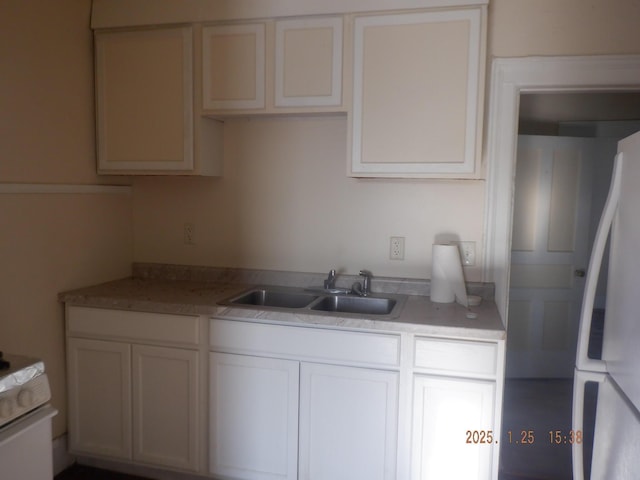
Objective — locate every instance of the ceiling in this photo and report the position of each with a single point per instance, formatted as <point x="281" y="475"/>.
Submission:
<point x="540" y="113"/>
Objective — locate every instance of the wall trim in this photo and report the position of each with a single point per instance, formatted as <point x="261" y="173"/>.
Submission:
<point x="62" y="459"/>
<point x="123" y="13"/>
<point x="46" y="188"/>
<point x="509" y="78"/>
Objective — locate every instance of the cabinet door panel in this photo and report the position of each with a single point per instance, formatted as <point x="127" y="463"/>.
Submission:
<point x="308" y="62"/>
<point x="144" y="99"/>
<point x="253" y="417"/>
<point x="348" y="423"/>
<point x="444" y="410"/>
<point x="165" y="406"/>
<point x="417" y="81"/>
<point x="99" y="397"/>
<point x="233" y="62"/>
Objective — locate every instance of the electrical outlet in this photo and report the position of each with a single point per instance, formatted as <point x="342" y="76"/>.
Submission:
<point x="189" y="234"/>
<point x="467" y="253"/>
<point x="396" y="248"/>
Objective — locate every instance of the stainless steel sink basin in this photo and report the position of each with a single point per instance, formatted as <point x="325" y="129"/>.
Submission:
<point x="350" y="304"/>
<point x="274" y="298"/>
<point x="318" y="302"/>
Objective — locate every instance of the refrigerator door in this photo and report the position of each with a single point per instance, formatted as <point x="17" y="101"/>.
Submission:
<point x="621" y="347"/>
<point x="617" y="436"/>
<point x="583" y="362"/>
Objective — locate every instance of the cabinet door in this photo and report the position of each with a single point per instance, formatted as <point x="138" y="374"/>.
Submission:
<point x="233" y="67"/>
<point x="165" y="406"/>
<point x="444" y="410"/>
<point x="416" y="93"/>
<point x="308" y="60"/>
<point x="348" y="423"/>
<point x="253" y="417"/>
<point x="99" y="376"/>
<point x="144" y="99"/>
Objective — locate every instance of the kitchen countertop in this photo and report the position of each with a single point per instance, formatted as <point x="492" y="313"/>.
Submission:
<point x="419" y="314"/>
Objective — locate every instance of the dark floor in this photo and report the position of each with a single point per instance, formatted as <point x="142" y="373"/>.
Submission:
<point x="81" y="472"/>
<point x="541" y="406"/>
<point x="544" y="405"/>
<point x="536" y="406"/>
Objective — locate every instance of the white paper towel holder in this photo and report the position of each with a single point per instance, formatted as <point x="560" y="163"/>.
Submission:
<point x="447" y="278"/>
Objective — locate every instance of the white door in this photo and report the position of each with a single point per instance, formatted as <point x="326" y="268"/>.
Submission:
<point x="348" y="423"/>
<point x="165" y="406"/>
<point x="99" y="376"/>
<point x="552" y="228"/>
<point x="253" y="424"/>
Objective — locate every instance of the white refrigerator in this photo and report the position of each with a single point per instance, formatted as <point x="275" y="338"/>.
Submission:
<point x="616" y="436"/>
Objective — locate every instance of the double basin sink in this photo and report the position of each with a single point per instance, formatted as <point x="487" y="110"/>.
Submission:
<point x="316" y="300"/>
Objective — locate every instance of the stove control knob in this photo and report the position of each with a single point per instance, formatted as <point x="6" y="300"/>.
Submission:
<point x="25" y="398"/>
<point x="6" y="408"/>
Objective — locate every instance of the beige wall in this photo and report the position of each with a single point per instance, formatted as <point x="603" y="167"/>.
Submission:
<point x="285" y="203"/>
<point x="51" y="242"/>
<point x="519" y="28"/>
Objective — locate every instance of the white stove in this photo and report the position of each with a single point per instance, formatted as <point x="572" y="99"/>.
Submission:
<point x="25" y="419"/>
<point x="24" y="386"/>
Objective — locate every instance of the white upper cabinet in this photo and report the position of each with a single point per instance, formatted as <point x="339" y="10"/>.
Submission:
<point x="308" y="62"/>
<point x="410" y="81"/>
<point x="145" y="106"/>
<point x="277" y="66"/>
<point x="233" y="60"/>
<point x="417" y="93"/>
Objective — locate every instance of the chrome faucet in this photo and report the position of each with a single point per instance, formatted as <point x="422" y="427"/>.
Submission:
<point x="363" y="289"/>
<point x="330" y="282"/>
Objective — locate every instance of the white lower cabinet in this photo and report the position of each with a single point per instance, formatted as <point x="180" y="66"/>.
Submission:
<point x="131" y="401"/>
<point x="99" y="397"/>
<point x="347" y="420"/>
<point x="253" y="417"/>
<point x="321" y="413"/>
<point x="165" y="406"/>
<point x="348" y="423"/>
<point x="457" y="389"/>
<point x="285" y="402"/>
<point x="446" y="413"/>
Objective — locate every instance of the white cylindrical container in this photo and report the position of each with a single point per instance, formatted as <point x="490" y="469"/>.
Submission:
<point x="447" y="279"/>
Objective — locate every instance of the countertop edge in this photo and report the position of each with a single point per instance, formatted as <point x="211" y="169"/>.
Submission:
<point x="419" y="315"/>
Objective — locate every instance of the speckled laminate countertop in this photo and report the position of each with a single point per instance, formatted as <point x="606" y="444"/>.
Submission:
<point x="199" y="297"/>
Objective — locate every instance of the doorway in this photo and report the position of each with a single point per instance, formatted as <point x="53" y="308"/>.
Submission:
<point x="513" y="80"/>
<point x="561" y="183"/>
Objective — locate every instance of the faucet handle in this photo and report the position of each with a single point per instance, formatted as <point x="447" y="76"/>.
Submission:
<point x="330" y="282"/>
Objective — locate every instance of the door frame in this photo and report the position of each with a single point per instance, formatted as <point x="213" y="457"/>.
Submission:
<point x="509" y="78"/>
